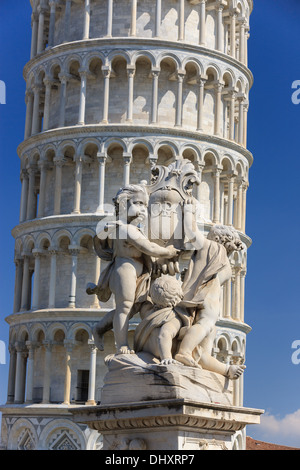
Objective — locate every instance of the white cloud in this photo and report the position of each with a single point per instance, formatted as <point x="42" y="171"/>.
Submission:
<point x="276" y="430"/>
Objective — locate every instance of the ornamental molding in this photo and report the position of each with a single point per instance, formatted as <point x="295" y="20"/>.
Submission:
<point x="111" y="131"/>
<point x="129" y="44"/>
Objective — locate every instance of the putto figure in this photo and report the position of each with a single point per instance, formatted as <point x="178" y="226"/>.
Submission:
<point x="208" y="270"/>
<point x="128" y="274"/>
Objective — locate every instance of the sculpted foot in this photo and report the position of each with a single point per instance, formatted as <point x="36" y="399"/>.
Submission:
<point x="166" y="362"/>
<point x="98" y="339"/>
<point x="125" y="350"/>
<point x="187" y="360"/>
<point x="234" y="372"/>
<point x="91" y="289"/>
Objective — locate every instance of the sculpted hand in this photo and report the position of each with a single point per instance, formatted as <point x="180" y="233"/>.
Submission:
<point x="173" y="252"/>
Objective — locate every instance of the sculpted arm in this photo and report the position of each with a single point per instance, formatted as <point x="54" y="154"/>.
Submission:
<point x="196" y="238"/>
<point x="139" y="241"/>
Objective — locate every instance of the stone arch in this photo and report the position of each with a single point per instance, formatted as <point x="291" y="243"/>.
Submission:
<point x="89" y="146"/>
<point x="62" y="434"/>
<point x="228" y="164"/>
<point x="138" y="55"/>
<point x="43" y="239"/>
<point x="22" y="435"/>
<point x="53" y="329"/>
<point x="28" y="244"/>
<point x="166" y="151"/>
<point x="23" y="334"/>
<point x="92" y="56"/>
<point x="211" y="157"/>
<point x="191" y="152"/>
<point x="36" y="330"/>
<point x="213" y="72"/>
<point x="77" y="328"/>
<point x="59" y="234"/>
<point x="118" y="54"/>
<point x="196" y="63"/>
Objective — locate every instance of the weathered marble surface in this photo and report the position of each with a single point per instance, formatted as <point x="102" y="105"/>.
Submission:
<point x="140" y="377"/>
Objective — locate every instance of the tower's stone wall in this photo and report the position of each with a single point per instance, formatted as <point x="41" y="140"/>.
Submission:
<point x="113" y="87"/>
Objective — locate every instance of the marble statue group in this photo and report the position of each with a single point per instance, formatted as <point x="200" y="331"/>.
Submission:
<point x="156" y="232"/>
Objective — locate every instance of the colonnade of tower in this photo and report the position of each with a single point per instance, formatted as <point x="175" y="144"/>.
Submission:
<point x="112" y="88"/>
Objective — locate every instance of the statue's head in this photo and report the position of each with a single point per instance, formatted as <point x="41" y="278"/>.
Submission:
<point x="131" y="202"/>
<point x="166" y="291"/>
<point x="226" y="236"/>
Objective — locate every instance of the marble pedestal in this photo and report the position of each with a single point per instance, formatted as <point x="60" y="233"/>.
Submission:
<point x="146" y="406"/>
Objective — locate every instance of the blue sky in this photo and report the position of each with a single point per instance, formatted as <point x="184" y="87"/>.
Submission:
<point x="272" y="381"/>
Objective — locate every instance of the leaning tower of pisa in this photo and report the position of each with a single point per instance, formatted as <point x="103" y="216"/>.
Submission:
<point x="112" y="88"/>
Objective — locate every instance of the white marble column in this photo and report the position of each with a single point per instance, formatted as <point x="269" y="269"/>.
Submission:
<point x="31" y="201"/>
<point x="102" y="158"/>
<point x="242" y="40"/>
<point x="82" y="101"/>
<point x="216" y="207"/>
<point x="242" y="297"/>
<point x="179" y="103"/>
<point x="241" y="120"/>
<point x="133" y="17"/>
<point x="181" y="20"/>
<point x="154" y="111"/>
<point x="200" y="115"/>
<point x="245" y="188"/>
<point x="109" y="19"/>
<point x="12" y="374"/>
<point x="52" y="5"/>
<point x="97" y="272"/>
<point x="37" y="273"/>
<point x="237" y="294"/>
<point x="41" y="30"/>
<point x="130" y="74"/>
<point x="43" y="166"/>
<point x="158" y="18"/>
<point x="199" y="166"/>
<point x="63" y="99"/>
<point x="87" y="19"/>
<point x="25" y="283"/>
<point x="67" y="20"/>
<point x="52" y="283"/>
<point x="34" y="38"/>
<point x="48" y="87"/>
<point x="30" y="371"/>
<point x="47" y="372"/>
<point x="233" y="17"/>
<point x="220" y="28"/>
<point x="245" y="123"/>
<point x="232" y="98"/>
<point x="20" y="374"/>
<point x="67" y="387"/>
<point x="92" y="377"/>
<point x="74" y="252"/>
<point x="29" y="99"/>
<point x="227" y="290"/>
<point x="18" y="285"/>
<point x="202" y="23"/>
<point x="36" y="110"/>
<point x="59" y="163"/>
<point x="239" y="205"/>
<point x="218" y="108"/>
<point x="230" y="181"/>
<point x="127" y="158"/>
<point x="24" y="195"/>
<point x="78" y="182"/>
<point x="107" y="73"/>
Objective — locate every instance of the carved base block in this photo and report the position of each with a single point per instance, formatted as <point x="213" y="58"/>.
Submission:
<point x="140" y="377"/>
<point x="146" y="406"/>
<point x="176" y="424"/>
